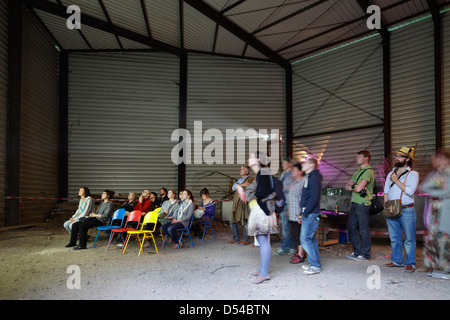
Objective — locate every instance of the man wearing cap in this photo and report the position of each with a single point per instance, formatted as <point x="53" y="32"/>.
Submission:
<point x="401" y="183"/>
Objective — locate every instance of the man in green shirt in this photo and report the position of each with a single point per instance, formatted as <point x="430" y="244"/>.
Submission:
<point x="361" y="184"/>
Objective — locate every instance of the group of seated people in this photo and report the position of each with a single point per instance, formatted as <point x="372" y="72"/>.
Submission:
<point x="174" y="213"/>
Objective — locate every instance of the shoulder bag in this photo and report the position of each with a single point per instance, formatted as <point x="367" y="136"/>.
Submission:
<point x="375" y="207"/>
<point x="393" y="208"/>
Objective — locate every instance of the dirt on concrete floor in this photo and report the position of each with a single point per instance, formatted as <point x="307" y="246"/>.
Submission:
<point x="35" y="265"/>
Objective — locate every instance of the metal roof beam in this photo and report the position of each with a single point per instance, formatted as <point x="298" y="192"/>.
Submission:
<point x="293" y="14"/>
<point x="234" y="5"/>
<point x="217" y="17"/>
<point x="147" y="21"/>
<point x="79" y="30"/>
<point x="366" y="16"/>
<point x="88" y="20"/>
<point x="108" y="18"/>
<point x="364" y="4"/>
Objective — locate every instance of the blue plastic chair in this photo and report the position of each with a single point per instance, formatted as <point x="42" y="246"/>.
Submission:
<point x="206" y="225"/>
<point x="183" y="232"/>
<point x="118" y="215"/>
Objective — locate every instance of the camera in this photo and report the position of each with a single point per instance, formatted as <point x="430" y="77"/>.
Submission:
<point x="363" y="193"/>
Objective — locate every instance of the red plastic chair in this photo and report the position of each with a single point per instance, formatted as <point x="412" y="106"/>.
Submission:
<point x="134" y="216"/>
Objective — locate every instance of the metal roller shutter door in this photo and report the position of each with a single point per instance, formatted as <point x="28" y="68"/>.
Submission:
<point x="38" y="123"/>
<point x="413" y="103"/>
<point x="123" y="108"/>
<point x="3" y="103"/>
<point x="446" y="79"/>
<point x="337" y="152"/>
<point x="231" y="94"/>
<point x="335" y="127"/>
<point x="353" y="74"/>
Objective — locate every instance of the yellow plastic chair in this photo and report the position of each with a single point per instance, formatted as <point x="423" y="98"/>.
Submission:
<point x="151" y="217"/>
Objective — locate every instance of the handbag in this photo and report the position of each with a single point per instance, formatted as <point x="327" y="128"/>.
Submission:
<point x="198" y="213"/>
<point x="393" y="208"/>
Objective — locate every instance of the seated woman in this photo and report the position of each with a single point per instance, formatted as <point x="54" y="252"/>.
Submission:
<point x="85" y="207"/>
<point x="181" y="218"/>
<point x="169" y="207"/>
<point x="100" y="218"/>
<point x="204" y="213"/>
<point x="131" y="203"/>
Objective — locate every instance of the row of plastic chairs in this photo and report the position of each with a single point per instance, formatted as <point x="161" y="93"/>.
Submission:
<point x="116" y="223"/>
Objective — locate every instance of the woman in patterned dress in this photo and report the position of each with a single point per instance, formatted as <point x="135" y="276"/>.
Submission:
<point x="437" y="242"/>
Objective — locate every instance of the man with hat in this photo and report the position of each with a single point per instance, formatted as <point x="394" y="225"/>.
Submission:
<point x="401" y="183"/>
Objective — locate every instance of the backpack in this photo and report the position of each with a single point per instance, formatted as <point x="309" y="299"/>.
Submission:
<point x="280" y="198"/>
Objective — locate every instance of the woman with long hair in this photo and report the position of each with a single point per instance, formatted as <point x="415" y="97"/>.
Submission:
<point x="85" y="207"/>
<point x="262" y="221"/>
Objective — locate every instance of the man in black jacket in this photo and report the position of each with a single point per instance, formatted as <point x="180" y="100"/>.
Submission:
<point x="310" y="215"/>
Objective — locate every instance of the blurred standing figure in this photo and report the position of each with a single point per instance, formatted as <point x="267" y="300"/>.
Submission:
<point x="286" y="177"/>
<point x="240" y="210"/>
<point x="437" y="243"/>
<point x="294" y="198"/>
<point x="401" y="183"/>
<point x="262" y="221"/>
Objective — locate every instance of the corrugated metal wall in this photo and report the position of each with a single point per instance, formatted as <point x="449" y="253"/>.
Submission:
<point x="446" y="79"/>
<point x="413" y="103"/>
<point x="3" y="103"/>
<point x="338" y="109"/>
<point x="233" y="94"/>
<point x="38" y="123"/>
<point x="123" y="108"/>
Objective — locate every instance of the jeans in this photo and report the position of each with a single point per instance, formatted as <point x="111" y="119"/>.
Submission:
<point x="286" y="243"/>
<point x="358" y="220"/>
<point x="265" y="252"/>
<point x="308" y="239"/>
<point x="171" y="230"/>
<point x="407" y="224"/>
<point x="235" y="230"/>
<point x="68" y="226"/>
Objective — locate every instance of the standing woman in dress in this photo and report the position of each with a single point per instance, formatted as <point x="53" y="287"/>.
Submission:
<point x="262" y="221"/>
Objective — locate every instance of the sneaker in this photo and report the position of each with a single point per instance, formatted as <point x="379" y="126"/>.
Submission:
<point x="351" y="256"/>
<point x="280" y="252"/>
<point x="120" y="245"/>
<point x="361" y="258"/>
<point x="311" y="271"/>
<point x="440" y="275"/>
<point x="356" y="258"/>
<point x="292" y="252"/>
<point x="306" y="266"/>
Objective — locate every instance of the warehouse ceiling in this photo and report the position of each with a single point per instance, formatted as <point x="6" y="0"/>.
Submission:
<point x="281" y="31"/>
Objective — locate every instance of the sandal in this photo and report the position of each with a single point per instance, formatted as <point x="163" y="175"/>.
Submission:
<point x="296" y="259"/>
